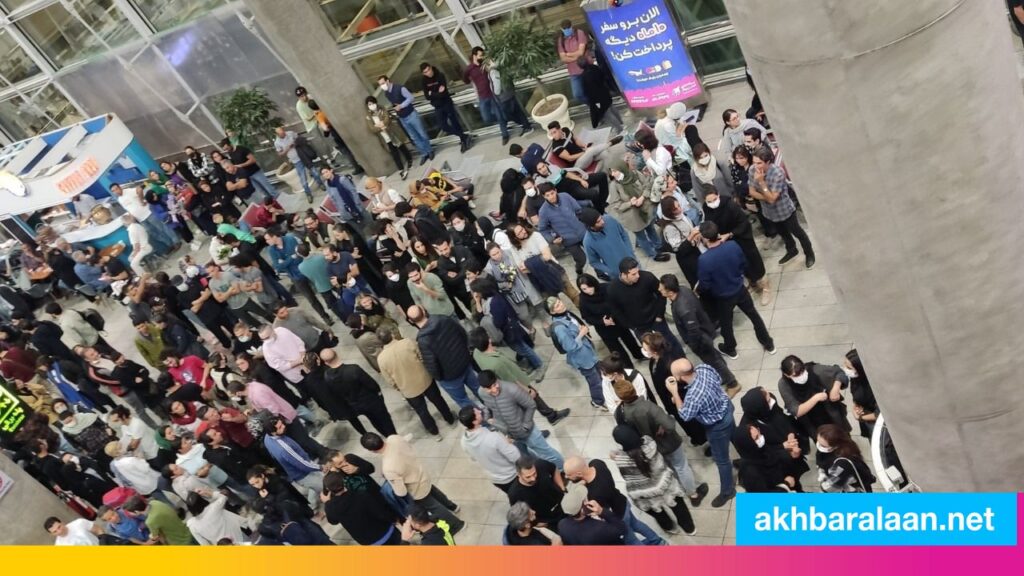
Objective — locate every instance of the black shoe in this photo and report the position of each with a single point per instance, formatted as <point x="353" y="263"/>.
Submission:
<point x="431" y="155"/>
<point x="358" y="170"/>
<point x="789" y="256"/>
<point x="602" y="276"/>
<point x="702" y="491"/>
<point x="707" y="451"/>
<point x="545" y="433"/>
<point x="424" y="159"/>
<point x="809" y="261"/>
<point x="462" y="146"/>
<point x="722" y="499"/>
<point x="731" y="354"/>
<point x="559" y="416"/>
<point x="771" y="349"/>
<point x="663" y="257"/>
<point x="615" y="141"/>
<point x="526" y="130"/>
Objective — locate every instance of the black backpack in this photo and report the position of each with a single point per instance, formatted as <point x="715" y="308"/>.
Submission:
<point x="93" y="317"/>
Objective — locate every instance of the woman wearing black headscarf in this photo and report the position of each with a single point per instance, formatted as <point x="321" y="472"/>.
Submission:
<point x="661" y="357"/>
<point x="772" y="450"/>
<point x="512" y="194"/>
<point x="595" y="311"/>
<point x="865" y="407"/>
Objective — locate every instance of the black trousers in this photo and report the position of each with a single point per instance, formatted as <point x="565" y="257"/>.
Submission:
<point x="680" y="511"/>
<point x="440" y="506"/>
<point x="579" y="257"/>
<point x="305" y="288"/>
<point x="378" y="414"/>
<point x="448" y="119"/>
<point x="248" y="312"/>
<point x="399" y="151"/>
<point x="619" y="339"/>
<point x="789" y="228"/>
<point x="459" y="295"/>
<point x="419" y="406"/>
<point x="704" y="348"/>
<point x="724" y="309"/>
<point x="220" y="326"/>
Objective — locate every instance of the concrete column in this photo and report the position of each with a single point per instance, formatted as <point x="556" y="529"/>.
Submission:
<point x="26" y="506"/>
<point x="900" y="123"/>
<point x="303" y="40"/>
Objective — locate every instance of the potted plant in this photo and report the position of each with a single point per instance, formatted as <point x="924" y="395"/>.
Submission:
<point x="250" y="113"/>
<point x="520" y="50"/>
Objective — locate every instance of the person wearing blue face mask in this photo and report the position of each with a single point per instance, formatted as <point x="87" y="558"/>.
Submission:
<point x="574" y="44"/>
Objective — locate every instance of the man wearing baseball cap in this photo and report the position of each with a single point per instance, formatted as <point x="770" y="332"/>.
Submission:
<point x="586" y="522"/>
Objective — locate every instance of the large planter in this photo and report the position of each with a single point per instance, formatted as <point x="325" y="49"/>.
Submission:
<point x="290" y="176"/>
<point x="560" y="113"/>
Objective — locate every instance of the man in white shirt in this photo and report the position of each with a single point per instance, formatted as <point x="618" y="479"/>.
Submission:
<point x="80" y="532"/>
<point x="139" y="239"/>
<point x="134" y="472"/>
<point x="136" y="438"/>
<point x="285" y="146"/>
<point x="163" y="238"/>
<point x="283" y="351"/>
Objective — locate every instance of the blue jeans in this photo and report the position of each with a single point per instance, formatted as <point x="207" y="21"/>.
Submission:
<point x="160" y="234"/>
<point x="454" y="388"/>
<point x="576" y="82"/>
<point x="648" y="240"/>
<point x="536" y="444"/>
<point x="304" y="175"/>
<point x="491" y="111"/>
<point x="635" y="526"/>
<point x="677" y="461"/>
<point x="719" y="436"/>
<point x="526" y="351"/>
<point x="594" y="383"/>
<point x="260" y="181"/>
<point x="413" y="125"/>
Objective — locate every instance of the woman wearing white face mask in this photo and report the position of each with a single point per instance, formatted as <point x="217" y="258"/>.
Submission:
<point x="734" y="225"/>
<point x="393" y="137"/>
<point x="771" y="447"/>
<point x="812" y="393"/>
<point x="707" y="172"/>
<point x="656" y="348"/>
<point x="841" y="468"/>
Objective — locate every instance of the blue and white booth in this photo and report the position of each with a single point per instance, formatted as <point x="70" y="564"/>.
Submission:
<point x="54" y="181"/>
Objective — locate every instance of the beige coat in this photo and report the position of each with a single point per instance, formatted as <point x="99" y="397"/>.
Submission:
<point x="403" y="470"/>
<point x="402" y="366"/>
<point x="391" y="126"/>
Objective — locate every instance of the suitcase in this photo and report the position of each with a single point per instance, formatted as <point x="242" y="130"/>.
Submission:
<point x="118" y="496"/>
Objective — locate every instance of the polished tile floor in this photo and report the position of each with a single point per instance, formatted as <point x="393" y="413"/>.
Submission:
<point x="804" y="319"/>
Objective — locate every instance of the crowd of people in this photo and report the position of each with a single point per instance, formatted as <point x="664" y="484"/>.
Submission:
<point x="213" y="440"/>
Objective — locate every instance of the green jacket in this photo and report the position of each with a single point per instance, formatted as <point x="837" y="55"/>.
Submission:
<point x="151" y="348"/>
<point x="503" y="366"/>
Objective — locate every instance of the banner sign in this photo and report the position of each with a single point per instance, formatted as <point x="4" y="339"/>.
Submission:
<point x="646" y="53"/>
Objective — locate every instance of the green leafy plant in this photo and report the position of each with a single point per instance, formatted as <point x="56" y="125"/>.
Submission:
<point x="250" y="113"/>
<point x="520" y="50"/>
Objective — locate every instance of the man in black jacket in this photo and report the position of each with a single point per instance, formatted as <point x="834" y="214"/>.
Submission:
<point x="637" y="304"/>
<point x="451" y="267"/>
<point x="361" y="511"/>
<point x="435" y="88"/>
<point x="697" y="329"/>
<point x="358" y="389"/>
<point x="421" y="221"/>
<point x="444" y="346"/>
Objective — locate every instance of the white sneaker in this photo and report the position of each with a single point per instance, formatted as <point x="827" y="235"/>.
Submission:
<point x="472" y="204"/>
<point x="196" y="245"/>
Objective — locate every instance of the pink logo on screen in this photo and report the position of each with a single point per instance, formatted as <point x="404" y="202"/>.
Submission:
<point x="664" y="94"/>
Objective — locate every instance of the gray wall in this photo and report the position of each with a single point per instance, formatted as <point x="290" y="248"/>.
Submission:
<point x="24" y="508"/>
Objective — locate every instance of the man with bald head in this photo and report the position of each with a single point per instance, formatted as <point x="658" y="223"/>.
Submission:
<point x="444" y="349"/>
<point x="702" y="398"/>
<point x="358" y="390"/>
